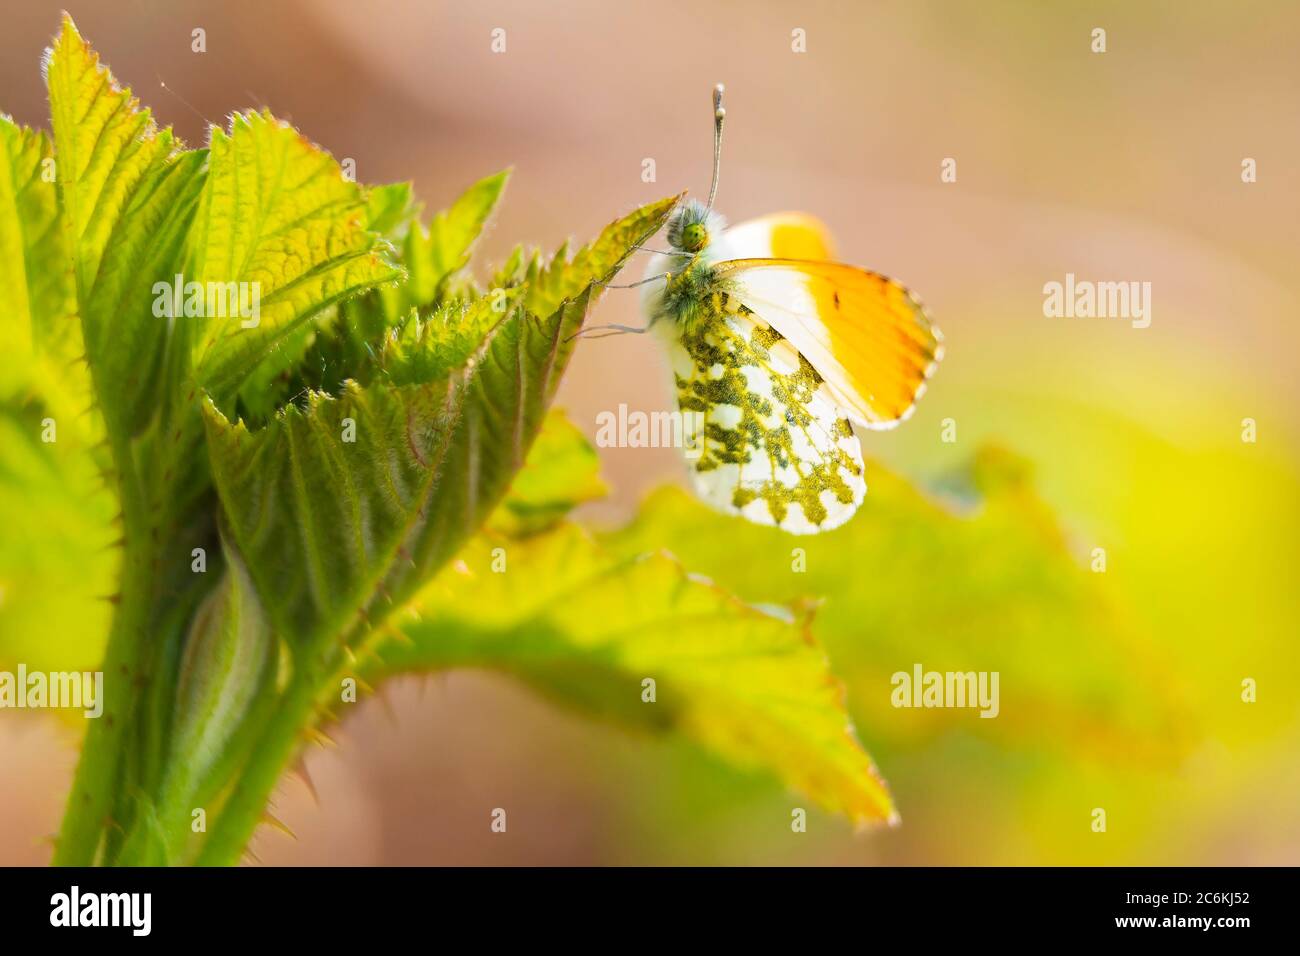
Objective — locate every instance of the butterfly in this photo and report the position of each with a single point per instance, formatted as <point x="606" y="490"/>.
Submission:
<point x="776" y="349"/>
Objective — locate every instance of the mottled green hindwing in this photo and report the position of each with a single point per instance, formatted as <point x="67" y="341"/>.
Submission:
<point x="761" y="436"/>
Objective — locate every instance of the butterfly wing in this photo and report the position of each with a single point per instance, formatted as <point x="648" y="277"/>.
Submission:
<point x="763" y="439"/>
<point x="781" y="235"/>
<point x="866" y="335"/>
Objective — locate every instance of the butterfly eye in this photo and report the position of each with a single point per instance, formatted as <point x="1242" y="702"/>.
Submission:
<point x="695" y="237"/>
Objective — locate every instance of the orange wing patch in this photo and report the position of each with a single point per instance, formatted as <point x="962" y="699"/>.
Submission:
<point x="866" y="335"/>
<point x="797" y="240"/>
<point x="781" y="235"/>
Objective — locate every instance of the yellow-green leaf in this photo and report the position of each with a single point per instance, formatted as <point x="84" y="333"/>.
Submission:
<point x="37" y="305"/>
<point x="989" y="585"/>
<point x="593" y="631"/>
<point x="56" y="565"/>
<point x="278" y="219"/>
<point x="126" y="190"/>
<point x="564" y="277"/>
<point x="105" y="144"/>
<point x="433" y="256"/>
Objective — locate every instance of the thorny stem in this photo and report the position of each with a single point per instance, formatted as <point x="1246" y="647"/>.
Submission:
<point x="99" y="768"/>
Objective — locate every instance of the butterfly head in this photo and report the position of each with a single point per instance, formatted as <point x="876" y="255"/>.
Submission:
<point x="693" y="227"/>
<point x="695" y="224"/>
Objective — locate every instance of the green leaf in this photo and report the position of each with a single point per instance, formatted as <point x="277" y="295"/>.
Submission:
<point x="376" y="522"/>
<point x="562" y="472"/>
<point x="433" y="256"/>
<point x="588" y="629"/>
<point x="126" y="191"/>
<point x="354" y="500"/>
<point x="56" y="565"/>
<point x="278" y="219"/>
<point x="419" y="349"/>
<point x="317" y="515"/>
<point x="340" y="342"/>
<point x="332" y="528"/>
<point x="389" y="208"/>
<point x="598" y="261"/>
<point x="105" y="147"/>
<point x="373" y="327"/>
<point x="519" y="265"/>
<point x="37" y="303"/>
<point x="125" y="336"/>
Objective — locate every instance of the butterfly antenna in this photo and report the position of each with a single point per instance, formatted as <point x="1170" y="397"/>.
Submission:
<point x="719" y="115"/>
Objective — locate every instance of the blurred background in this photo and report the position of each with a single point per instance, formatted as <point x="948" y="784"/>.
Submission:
<point x="1119" y="166"/>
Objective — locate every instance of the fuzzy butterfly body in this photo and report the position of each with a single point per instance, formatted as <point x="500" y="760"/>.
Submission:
<point x="775" y="350"/>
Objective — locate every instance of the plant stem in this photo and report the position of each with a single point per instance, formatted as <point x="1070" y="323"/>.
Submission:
<point x="98" y="770"/>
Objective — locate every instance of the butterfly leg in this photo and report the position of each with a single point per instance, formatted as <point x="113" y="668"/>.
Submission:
<point x="633" y="285"/>
<point x="611" y="330"/>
